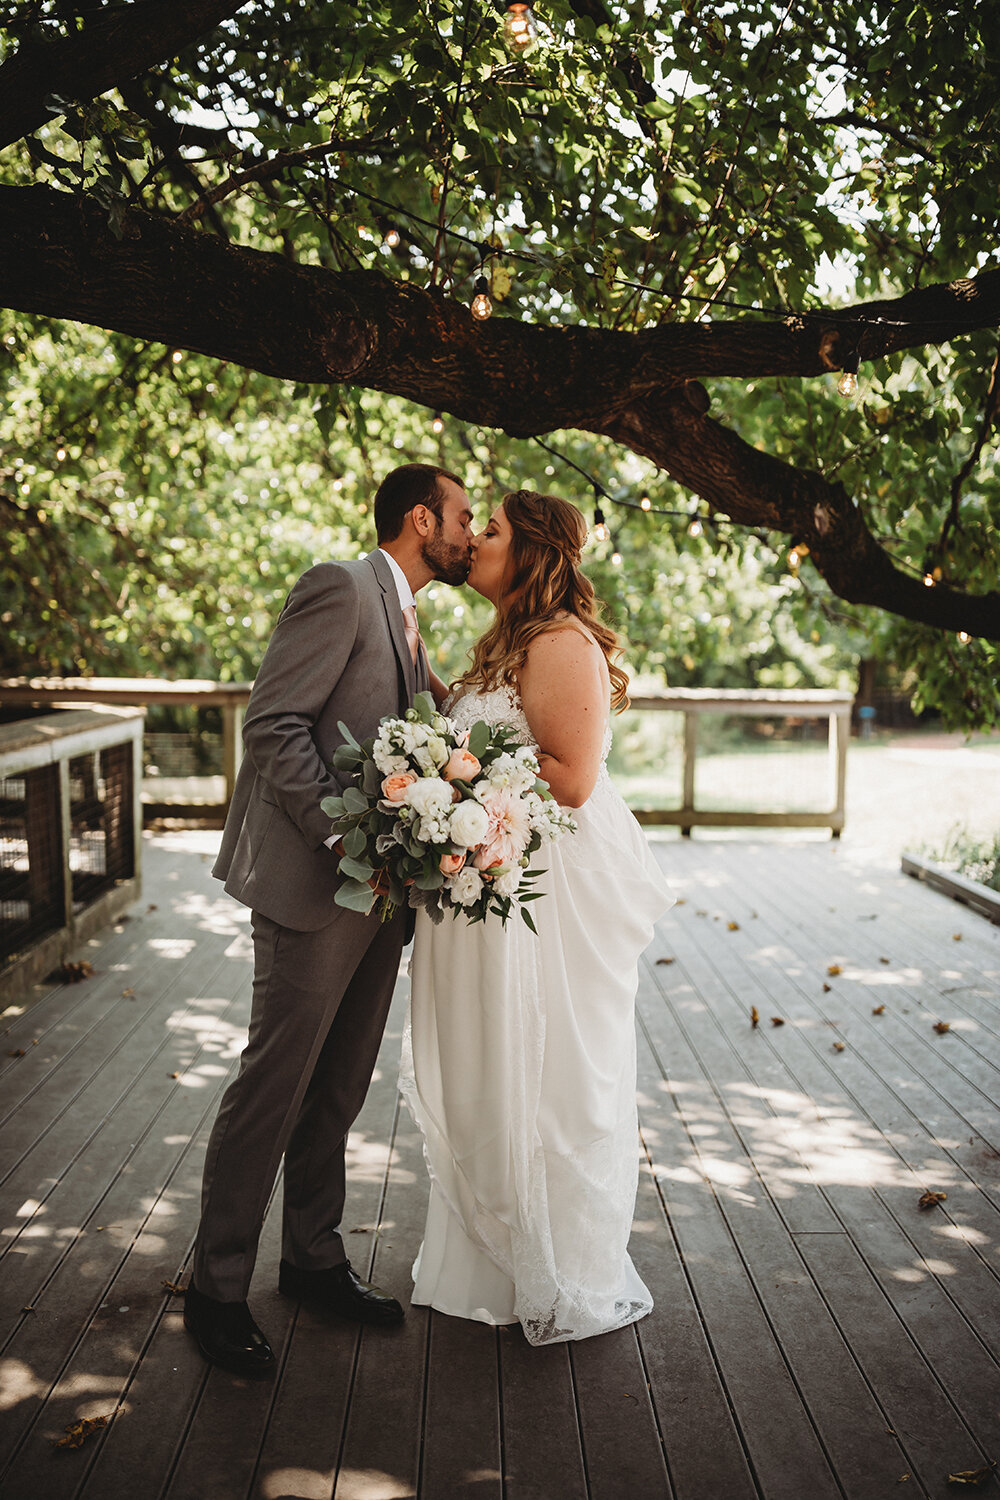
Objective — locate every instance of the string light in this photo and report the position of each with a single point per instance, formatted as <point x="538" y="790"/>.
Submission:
<point x="847" y="385"/>
<point x="794" y="559"/>
<point x="519" y="30"/>
<point x="177" y="356"/>
<point x="391" y="238"/>
<point x="481" y="305"/>
<point x="60" y="454"/>
<point x="616" y="558"/>
<point x="964" y="637"/>
<point x="438" y="423"/>
<point x="695" y="528"/>
<point x="929" y="580"/>
<point x="601" y="531"/>
<point x="645" y="503"/>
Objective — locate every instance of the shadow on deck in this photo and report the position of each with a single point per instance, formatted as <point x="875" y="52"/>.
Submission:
<point x="816" y="1333"/>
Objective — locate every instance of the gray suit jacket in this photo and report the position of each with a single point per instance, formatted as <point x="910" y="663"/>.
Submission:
<point x="338" y="652"/>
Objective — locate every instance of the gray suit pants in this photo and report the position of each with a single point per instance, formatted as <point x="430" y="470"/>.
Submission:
<point x="320" y="1001"/>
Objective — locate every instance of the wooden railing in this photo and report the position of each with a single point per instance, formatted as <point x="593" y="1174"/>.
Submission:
<point x="231" y="697"/>
<point x="693" y="703"/>
<point x="781" y="703"/>
<point x="70" y="834"/>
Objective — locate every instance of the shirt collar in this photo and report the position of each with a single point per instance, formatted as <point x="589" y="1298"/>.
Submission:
<point x="406" y="597"/>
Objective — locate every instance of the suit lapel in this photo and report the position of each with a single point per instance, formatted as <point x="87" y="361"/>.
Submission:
<point x="394" y="619"/>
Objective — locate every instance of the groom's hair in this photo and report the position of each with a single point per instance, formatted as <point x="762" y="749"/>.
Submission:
<point x="401" y="490"/>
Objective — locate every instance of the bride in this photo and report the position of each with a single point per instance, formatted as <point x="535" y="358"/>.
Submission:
<point x="519" y="1057"/>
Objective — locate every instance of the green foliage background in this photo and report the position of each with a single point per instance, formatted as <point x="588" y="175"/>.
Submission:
<point x="158" y="504"/>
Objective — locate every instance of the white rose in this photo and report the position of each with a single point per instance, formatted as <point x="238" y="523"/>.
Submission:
<point x="466" y="887"/>
<point x="430" y="796"/>
<point x="507" y="883"/>
<point x="438" y="749"/>
<point x="469" y="823"/>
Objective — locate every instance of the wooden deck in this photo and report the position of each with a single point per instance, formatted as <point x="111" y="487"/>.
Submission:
<point x="816" y="1333"/>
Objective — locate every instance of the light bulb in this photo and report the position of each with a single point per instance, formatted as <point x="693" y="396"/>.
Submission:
<point x="391" y="238"/>
<point x="929" y="580"/>
<point x="616" y="558"/>
<point x="601" y="531"/>
<point x="645" y="503"/>
<point x="438" y="423"/>
<point x="847" y="385"/>
<point x="695" y="528"/>
<point x="964" y="637"/>
<point x="177" y="356"/>
<point x="60" y="454"/>
<point x="481" y="305"/>
<point x="793" y="559"/>
<point x="519" y="30"/>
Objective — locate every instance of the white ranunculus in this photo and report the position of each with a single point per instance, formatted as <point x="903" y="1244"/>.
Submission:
<point x="430" y="796"/>
<point x="466" y="887"/>
<point x="469" y="824"/>
<point x="507" y="883"/>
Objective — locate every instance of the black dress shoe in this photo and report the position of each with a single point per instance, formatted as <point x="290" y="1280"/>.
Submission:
<point x="340" y="1291"/>
<point x="227" y="1335"/>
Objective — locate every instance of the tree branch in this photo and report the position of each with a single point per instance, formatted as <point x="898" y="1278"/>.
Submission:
<point x="108" y="49"/>
<point x="181" y="286"/>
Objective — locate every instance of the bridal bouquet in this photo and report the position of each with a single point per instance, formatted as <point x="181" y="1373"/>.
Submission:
<point x="448" y="818"/>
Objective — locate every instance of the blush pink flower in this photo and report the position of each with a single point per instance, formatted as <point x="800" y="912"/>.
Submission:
<point x="462" y="766"/>
<point x="509" y="830"/>
<point x="450" y="864"/>
<point x="394" y="787"/>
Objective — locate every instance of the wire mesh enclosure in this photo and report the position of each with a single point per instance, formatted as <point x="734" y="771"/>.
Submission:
<point x="67" y="838"/>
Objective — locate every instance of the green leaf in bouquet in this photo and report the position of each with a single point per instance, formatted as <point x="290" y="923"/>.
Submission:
<point x="426" y="708"/>
<point x="346" y="759"/>
<point x="429" y="880"/>
<point x="355" y="801"/>
<point x="543" y="790"/>
<point x="526" y="918"/>
<point x="333" y="807"/>
<point x="371" y="778"/>
<point x="397" y="891"/>
<point x="356" y="896"/>
<point x="354" y="842"/>
<point x="479" y="738"/>
<point x="356" y="869"/>
<point x="347" y="735"/>
<point x="531" y="896"/>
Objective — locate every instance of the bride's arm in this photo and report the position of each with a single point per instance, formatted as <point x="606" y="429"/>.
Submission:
<point x="564" y="693"/>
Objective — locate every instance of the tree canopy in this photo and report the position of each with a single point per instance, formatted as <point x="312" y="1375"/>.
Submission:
<point x="690" y="222"/>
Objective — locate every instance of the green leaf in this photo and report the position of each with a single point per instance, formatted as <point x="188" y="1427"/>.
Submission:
<point x="355" y="897"/>
<point x="355" y="801"/>
<point x="354" y="842"/>
<point x="526" y="918"/>
<point x="333" y="807"/>
<point x="347" y="735"/>
<point x="356" y="869"/>
<point x="479" y="737"/>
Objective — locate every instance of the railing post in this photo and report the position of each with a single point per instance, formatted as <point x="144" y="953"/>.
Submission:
<point x="839" y="730"/>
<point x="66" y="839"/>
<point x="232" y="745"/>
<point x="690" y="751"/>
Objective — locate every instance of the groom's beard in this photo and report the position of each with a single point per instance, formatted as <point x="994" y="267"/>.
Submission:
<point x="449" y="563"/>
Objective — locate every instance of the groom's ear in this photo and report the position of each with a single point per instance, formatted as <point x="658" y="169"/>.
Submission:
<point x="422" y="518"/>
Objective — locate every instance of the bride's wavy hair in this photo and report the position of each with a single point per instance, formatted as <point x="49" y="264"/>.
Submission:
<point x="542" y="580"/>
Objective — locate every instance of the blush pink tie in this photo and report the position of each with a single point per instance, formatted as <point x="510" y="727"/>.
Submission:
<point x="412" y="630"/>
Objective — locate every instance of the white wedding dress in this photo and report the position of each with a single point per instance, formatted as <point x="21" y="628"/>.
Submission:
<point x="519" y="1068"/>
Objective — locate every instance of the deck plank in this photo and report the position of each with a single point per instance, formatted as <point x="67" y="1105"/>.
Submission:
<point x="804" y="1303"/>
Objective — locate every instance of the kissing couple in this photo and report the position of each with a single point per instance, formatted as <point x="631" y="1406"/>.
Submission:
<point x="519" y="1056"/>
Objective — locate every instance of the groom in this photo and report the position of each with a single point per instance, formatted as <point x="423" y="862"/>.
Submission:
<point x="345" y="648"/>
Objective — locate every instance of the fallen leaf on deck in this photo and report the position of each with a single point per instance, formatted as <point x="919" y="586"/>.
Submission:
<point x="754" y="1015"/>
<point x="665" y="960"/>
<point x="733" y="926"/>
<point x="941" y="1027"/>
<point x="839" y="1046"/>
<point x="833" y="969"/>
<point x="681" y="901"/>
<point x="827" y="988"/>
<point x="128" y="994"/>
<point x="29" y="1308"/>
<point x="903" y="1477"/>
<point x="173" y="1075"/>
<point x="175" y="1288"/>
<point x="884" y="960"/>
<point x="928" y="1199"/>
<point x="18" y="1052"/>
<point x="701" y="913"/>
<point x="72" y="973"/>
<point x="152" y="906"/>
<point x="77" y="1433"/>
<point x="972" y="1476"/>
<point x="878" y="1010"/>
<point x="956" y="937"/>
<point x="777" y="1020"/>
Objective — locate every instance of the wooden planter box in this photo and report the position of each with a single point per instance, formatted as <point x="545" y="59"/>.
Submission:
<point x="958" y="887"/>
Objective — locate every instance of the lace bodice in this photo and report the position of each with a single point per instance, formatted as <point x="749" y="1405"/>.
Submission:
<point x="500" y="705"/>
